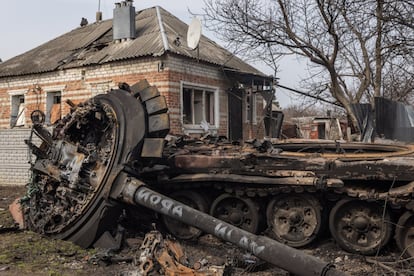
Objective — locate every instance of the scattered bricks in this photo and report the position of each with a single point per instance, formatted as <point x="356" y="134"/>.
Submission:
<point x="16" y="212"/>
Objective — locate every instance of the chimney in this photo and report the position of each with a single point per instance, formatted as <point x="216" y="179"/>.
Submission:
<point x="124" y="21"/>
<point x="98" y="16"/>
<point x="99" y="13"/>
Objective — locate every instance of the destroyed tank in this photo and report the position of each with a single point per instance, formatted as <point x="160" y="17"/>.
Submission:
<point x="293" y="191"/>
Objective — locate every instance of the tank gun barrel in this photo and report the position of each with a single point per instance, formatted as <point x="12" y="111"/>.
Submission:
<point x="283" y="256"/>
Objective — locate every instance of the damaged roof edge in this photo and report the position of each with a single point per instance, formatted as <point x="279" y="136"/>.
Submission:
<point x="162" y="30"/>
<point x="248" y="76"/>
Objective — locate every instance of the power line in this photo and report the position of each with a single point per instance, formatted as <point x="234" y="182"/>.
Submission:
<point x="308" y="95"/>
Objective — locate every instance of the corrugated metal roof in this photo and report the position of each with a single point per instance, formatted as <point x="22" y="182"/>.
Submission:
<point x="93" y="44"/>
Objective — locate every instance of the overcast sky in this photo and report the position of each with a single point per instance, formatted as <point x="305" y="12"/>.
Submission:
<point x="26" y="24"/>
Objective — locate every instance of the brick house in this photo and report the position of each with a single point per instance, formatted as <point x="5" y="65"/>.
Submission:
<point x="207" y="89"/>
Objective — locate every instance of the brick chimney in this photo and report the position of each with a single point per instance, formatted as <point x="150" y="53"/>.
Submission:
<point x="124" y="21"/>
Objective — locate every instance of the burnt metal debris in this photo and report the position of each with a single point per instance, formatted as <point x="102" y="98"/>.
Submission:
<point x="169" y="256"/>
<point x="114" y="149"/>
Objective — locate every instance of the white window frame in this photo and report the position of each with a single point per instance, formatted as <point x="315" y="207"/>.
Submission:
<point x="49" y="103"/>
<point x="197" y="128"/>
<point x="13" y="95"/>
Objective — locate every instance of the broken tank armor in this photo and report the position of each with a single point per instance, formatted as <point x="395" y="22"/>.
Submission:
<point x="112" y="149"/>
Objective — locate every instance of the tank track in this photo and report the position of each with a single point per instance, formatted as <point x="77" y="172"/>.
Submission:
<point x="261" y="196"/>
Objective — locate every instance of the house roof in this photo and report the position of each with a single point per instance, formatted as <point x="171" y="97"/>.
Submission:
<point x="157" y="31"/>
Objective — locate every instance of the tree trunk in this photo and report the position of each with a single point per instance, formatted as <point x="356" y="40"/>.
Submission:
<point x="378" y="50"/>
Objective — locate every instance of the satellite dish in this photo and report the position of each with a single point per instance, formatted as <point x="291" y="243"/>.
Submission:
<point x="194" y="33"/>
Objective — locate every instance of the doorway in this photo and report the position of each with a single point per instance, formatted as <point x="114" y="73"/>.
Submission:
<point x="235" y="97"/>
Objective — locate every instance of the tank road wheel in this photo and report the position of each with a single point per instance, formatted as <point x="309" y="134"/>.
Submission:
<point x="294" y="219"/>
<point x="182" y="230"/>
<point x="404" y="234"/>
<point x="239" y="211"/>
<point x="358" y="226"/>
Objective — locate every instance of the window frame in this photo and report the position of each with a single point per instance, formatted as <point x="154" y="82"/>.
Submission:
<point x="193" y="127"/>
<point x="13" y="95"/>
<point x="51" y="90"/>
<point x="50" y="97"/>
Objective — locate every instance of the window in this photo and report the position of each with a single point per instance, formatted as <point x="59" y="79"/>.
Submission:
<point x="17" y="116"/>
<point x="199" y="107"/>
<point x="53" y="107"/>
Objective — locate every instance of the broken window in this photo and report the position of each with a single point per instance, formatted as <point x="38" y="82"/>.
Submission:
<point x="17" y="116"/>
<point x="53" y="107"/>
<point x="198" y="105"/>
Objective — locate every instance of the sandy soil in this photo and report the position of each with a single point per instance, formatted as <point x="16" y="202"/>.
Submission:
<point x="27" y="253"/>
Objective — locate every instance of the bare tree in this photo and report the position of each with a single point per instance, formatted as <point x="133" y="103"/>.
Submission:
<point x="398" y="79"/>
<point x="298" y="110"/>
<point x="349" y="44"/>
<point x="398" y="83"/>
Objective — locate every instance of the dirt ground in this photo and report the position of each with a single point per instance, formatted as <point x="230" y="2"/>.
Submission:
<point x="27" y="253"/>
